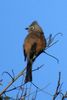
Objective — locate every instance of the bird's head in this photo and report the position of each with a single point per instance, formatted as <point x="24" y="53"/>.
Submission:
<point x="34" y="27"/>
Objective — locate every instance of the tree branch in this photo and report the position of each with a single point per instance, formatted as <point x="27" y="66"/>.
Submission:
<point x="58" y="90"/>
<point x="20" y="74"/>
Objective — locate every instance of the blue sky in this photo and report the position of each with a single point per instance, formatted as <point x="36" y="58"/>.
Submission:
<point x="15" y="15"/>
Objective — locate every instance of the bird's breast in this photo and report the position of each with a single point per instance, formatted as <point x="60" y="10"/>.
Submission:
<point x="30" y="40"/>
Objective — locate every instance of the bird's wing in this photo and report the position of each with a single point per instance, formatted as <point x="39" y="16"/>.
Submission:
<point x="24" y="53"/>
<point x="33" y="51"/>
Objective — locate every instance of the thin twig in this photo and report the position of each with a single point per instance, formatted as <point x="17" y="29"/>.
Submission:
<point x="34" y="98"/>
<point x="38" y="68"/>
<point x="52" y="56"/>
<point x="41" y="89"/>
<point x="58" y="91"/>
<point x="29" y="91"/>
<point x="9" y="75"/>
<point x="20" y="74"/>
<point x="64" y="96"/>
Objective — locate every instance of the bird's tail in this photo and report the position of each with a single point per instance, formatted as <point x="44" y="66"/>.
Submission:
<point x="28" y="77"/>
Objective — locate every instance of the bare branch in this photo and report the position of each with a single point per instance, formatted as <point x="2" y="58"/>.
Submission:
<point x="20" y="74"/>
<point x="58" y="90"/>
<point x="38" y="68"/>
<point x="52" y="56"/>
<point x="9" y="75"/>
<point x="64" y="96"/>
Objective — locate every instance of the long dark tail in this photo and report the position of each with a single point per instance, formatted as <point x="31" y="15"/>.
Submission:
<point x="28" y="77"/>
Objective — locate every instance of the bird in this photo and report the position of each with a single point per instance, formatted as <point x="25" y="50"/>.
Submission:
<point x="34" y="44"/>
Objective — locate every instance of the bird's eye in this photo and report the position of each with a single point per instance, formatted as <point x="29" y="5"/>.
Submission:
<point x="32" y="28"/>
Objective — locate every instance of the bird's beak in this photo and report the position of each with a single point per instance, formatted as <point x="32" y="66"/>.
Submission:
<point x="26" y="28"/>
